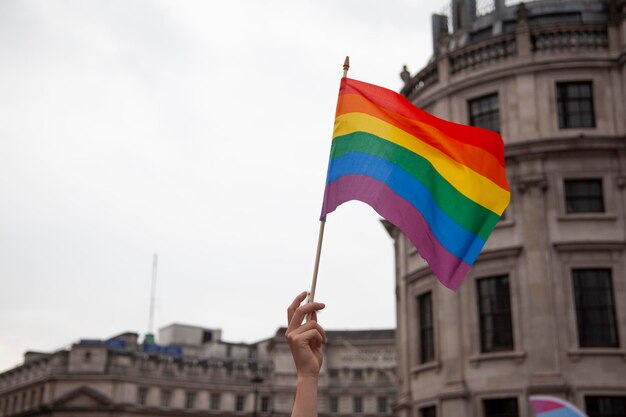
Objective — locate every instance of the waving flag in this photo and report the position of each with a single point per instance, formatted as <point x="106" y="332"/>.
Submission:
<point x="545" y="406"/>
<point x="441" y="183"/>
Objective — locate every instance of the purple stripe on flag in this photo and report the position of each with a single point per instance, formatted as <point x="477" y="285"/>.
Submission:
<point x="403" y="215"/>
<point x="543" y="406"/>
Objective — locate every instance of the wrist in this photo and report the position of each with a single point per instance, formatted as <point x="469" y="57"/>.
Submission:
<point x="306" y="378"/>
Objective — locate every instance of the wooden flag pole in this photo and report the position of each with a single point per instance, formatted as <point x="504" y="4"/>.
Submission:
<point x="320" y="238"/>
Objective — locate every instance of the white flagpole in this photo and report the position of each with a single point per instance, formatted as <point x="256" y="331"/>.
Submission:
<point x="346" y="67"/>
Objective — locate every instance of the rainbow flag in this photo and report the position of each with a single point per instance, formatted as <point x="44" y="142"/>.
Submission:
<point x="443" y="184"/>
<point x="546" y="406"/>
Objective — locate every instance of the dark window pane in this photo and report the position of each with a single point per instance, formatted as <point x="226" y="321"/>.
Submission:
<point x="430" y="411"/>
<point x="215" y="401"/>
<point x="334" y="404"/>
<point x="584" y="196"/>
<point x="609" y="406"/>
<point x="494" y="306"/>
<point x="265" y="404"/>
<point x="595" y="311"/>
<point x="382" y="404"/>
<point x="239" y="402"/>
<point x="502" y="407"/>
<point x="142" y="393"/>
<point x="575" y="104"/>
<point x="358" y="404"/>
<point x="190" y="400"/>
<point x="485" y="112"/>
<point x="165" y="398"/>
<point x="426" y="330"/>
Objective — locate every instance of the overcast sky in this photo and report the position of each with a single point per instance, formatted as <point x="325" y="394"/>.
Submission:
<point x="198" y="130"/>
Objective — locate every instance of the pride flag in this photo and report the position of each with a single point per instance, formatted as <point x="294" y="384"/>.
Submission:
<point x="441" y="183"/>
<point x="546" y="406"/>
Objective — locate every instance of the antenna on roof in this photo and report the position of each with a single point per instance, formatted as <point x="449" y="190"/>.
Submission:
<point x="150" y="335"/>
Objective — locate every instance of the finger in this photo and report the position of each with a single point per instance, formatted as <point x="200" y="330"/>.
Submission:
<point x="303" y="310"/>
<point x="306" y="327"/>
<point x="312" y="338"/>
<point x="294" y="305"/>
<point x="314" y="316"/>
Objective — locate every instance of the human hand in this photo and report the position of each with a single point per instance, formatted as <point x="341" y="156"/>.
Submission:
<point x="305" y="340"/>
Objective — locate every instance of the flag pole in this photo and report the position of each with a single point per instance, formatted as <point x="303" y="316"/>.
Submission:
<point x="320" y="238"/>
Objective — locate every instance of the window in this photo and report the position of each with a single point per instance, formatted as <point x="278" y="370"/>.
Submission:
<point x="494" y="305"/>
<point x="333" y="374"/>
<point x="427" y="341"/>
<point x="430" y="411"/>
<point x="584" y="196"/>
<point x="502" y="407"/>
<point x="239" y="402"/>
<point x="358" y="404"/>
<point x="207" y="336"/>
<point x="166" y="395"/>
<point x="142" y="394"/>
<point x="382" y="404"/>
<point x="215" y="402"/>
<point x="334" y="404"/>
<point x="265" y="404"/>
<point x="595" y="311"/>
<point x="575" y="104"/>
<point x="605" y="406"/>
<point x="358" y="375"/>
<point x="190" y="399"/>
<point x="485" y="112"/>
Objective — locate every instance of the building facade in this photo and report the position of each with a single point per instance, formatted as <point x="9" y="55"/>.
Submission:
<point x="543" y="310"/>
<point x="193" y="372"/>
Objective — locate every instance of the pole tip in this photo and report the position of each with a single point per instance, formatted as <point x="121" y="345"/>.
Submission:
<point x="346" y="63"/>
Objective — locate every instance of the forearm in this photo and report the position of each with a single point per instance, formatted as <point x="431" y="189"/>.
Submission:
<point x="305" y="404"/>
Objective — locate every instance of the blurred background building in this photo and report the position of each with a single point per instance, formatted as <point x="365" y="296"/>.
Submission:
<point x="193" y="372"/>
<point x="543" y="311"/>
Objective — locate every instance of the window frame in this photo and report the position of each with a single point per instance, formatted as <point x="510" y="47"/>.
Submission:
<point x="190" y="399"/>
<point x="474" y="118"/>
<point x="571" y="199"/>
<point x="584" y="341"/>
<point x="480" y="314"/>
<point x="484" y="401"/>
<point x="382" y="404"/>
<point x="357" y="404"/>
<point x="605" y="397"/>
<point x="166" y="398"/>
<point x="426" y="330"/>
<point x="333" y="405"/>
<point x="215" y="398"/>
<point x="426" y="410"/>
<point x="142" y="395"/>
<point x="240" y="399"/>
<point x="563" y="115"/>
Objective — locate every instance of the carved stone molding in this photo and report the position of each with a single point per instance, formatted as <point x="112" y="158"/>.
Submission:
<point x="525" y="184"/>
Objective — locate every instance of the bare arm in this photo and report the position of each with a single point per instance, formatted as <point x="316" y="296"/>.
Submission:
<point x="305" y="342"/>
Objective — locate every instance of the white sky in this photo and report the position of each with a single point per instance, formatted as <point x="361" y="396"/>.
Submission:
<point x="199" y="130"/>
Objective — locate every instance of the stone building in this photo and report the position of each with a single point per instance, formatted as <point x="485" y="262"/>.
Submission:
<point x="192" y="371"/>
<point x="543" y="311"/>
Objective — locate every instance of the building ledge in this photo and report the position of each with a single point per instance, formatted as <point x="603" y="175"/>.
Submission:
<point x="577" y="354"/>
<point x="433" y="365"/>
<point x="586" y="216"/>
<point x="587" y="246"/>
<point x="516" y="355"/>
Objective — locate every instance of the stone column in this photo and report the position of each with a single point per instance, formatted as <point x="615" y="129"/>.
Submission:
<point x="454" y="394"/>
<point x="537" y="288"/>
<point x="522" y="33"/>
<point x="404" y="400"/>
